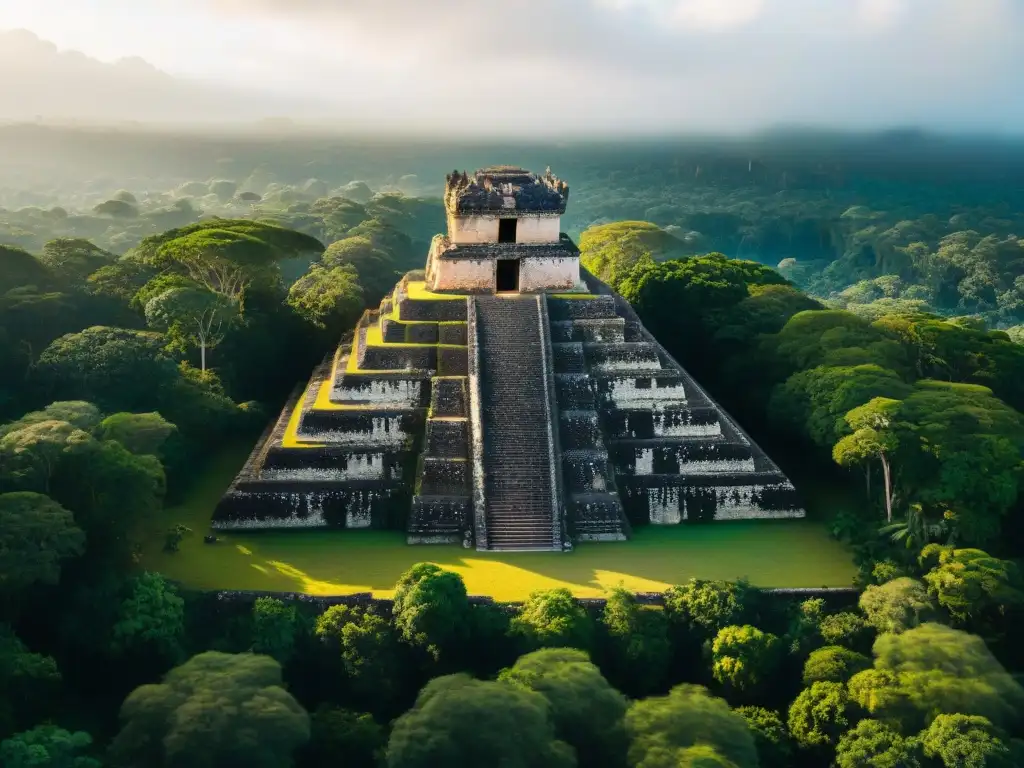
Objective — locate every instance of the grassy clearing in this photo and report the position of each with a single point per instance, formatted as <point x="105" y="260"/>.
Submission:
<point x="782" y="553"/>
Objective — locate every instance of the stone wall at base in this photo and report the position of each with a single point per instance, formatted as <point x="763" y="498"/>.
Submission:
<point x="297" y="505"/>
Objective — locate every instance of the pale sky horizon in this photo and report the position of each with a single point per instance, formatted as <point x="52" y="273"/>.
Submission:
<point x="555" y="65"/>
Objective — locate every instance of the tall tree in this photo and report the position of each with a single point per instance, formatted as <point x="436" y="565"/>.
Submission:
<point x="36" y="535"/>
<point x="897" y="605"/>
<point x="960" y="740"/>
<point x="874" y="437"/>
<point x="151" y="620"/>
<point x="74" y="257"/>
<point x="587" y="712"/>
<point x="431" y="610"/>
<point x="820" y="715"/>
<point x="661" y="727"/>
<point x="274" y="628"/>
<point x="461" y="721"/>
<point x="197" y="316"/>
<point x="637" y="649"/>
<point x="873" y="744"/>
<point x="979" y="591"/>
<point x="553" y="619"/>
<point x="368" y="646"/>
<point x="214" y="711"/>
<point x="744" y="658"/>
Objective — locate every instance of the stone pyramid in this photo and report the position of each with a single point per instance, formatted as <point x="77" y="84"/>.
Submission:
<point x="504" y="399"/>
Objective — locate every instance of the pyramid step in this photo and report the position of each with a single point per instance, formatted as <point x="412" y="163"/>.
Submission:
<point x="604" y="330"/>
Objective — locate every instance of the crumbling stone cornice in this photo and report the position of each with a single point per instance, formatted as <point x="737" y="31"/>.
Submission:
<point x="504" y="189"/>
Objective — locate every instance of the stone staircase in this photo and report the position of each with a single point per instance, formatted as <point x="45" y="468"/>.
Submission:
<point x="521" y="492"/>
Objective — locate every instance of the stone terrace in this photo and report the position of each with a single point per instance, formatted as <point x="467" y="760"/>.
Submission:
<point x="343" y="454"/>
<point x="654" y="438"/>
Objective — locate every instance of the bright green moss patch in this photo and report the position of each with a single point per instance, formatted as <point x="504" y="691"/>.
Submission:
<point x="417" y="290"/>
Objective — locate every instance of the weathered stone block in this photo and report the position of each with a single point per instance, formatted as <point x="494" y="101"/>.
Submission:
<point x="646" y="390"/>
<point x="392" y="331"/>
<point x="609" y="330"/>
<point x="381" y="389"/>
<point x="664" y="500"/>
<point x="421" y="333"/>
<point x="448" y="437"/>
<point x="597" y="517"/>
<point x="582" y="309"/>
<point x="579" y="430"/>
<point x="394" y="357"/>
<point x="574" y="392"/>
<point x="687" y="457"/>
<point x="443" y="477"/>
<point x="587" y="472"/>
<point x="674" y="421"/>
<point x="411" y="310"/>
<point x="448" y="396"/>
<point x="362" y="427"/>
<point x="438" y="519"/>
<point x="568" y="357"/>
<point x="624" y="357"/>
<point x="452" y="361"/>
<point x="331" y="464"/>
<point x="452" y="333"/>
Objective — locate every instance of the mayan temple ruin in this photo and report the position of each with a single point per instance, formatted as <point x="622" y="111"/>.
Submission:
<point x="504" y="399"/>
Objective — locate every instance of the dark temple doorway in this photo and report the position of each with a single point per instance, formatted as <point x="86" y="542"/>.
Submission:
<point x="506" y="230"/>
<point x="508" y="275"/>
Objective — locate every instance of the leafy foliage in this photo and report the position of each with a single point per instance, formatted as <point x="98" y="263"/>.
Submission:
<point x="744" y="657"/>
<point x="216" y="709"/>
<point x="36" y="535"/>
<point x="431" y="610"/>
<point x="586" y="711"/>
<point x="553" y="618"/>
<point x="461" y="721"/>
<point x="873" y="743"/>
<point x="661" y="727"/>
<point x="47" y="746"/>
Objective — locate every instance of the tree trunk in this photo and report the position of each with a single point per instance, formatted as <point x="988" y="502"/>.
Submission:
<point x="202" y="356"/>
<point x="888" y="487"/>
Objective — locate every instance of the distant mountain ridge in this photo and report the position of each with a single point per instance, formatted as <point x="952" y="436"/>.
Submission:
<point x="40" y="81"/>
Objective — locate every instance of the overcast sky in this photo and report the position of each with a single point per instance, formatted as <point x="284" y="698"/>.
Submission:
<point x="494" y="66"/>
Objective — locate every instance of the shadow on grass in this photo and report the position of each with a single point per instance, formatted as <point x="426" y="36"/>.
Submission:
<point x="783" y="553"/>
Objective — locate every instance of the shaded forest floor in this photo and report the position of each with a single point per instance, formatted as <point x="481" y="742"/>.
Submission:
<point x="782" y="553"/>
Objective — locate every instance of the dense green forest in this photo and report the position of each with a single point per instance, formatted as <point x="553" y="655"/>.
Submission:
<point x="857" y="304"/>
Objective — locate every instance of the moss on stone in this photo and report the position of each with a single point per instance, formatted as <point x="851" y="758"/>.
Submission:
<point x="417" y="291"/>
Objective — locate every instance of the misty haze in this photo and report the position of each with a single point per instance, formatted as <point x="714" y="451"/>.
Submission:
<point x="564" y="384"/>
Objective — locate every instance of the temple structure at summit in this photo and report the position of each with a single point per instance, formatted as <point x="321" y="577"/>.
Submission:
<point x="503" y="398"/>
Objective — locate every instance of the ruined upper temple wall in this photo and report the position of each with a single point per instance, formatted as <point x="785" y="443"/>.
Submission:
<point x="505" y="189"/>
<point x="466" y="230"/>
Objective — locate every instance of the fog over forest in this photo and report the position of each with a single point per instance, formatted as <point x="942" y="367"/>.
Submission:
<point x="564" y="67"/>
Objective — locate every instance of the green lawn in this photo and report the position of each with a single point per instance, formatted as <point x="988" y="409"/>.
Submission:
<point x="783" y="553"/>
